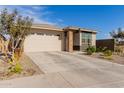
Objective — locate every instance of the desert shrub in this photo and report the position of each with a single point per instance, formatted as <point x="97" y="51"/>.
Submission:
<point x="98" y="49"/>
<point x="104" y="49"/>
<point x="107" y="53"/>
<point x="93" y="49"/>
<point x="90" y="50"/>
<point x="119" y="50"/>
<point x="17" y="68"/>
<point x="108" y="57"/>
<point x="101" y="49"/>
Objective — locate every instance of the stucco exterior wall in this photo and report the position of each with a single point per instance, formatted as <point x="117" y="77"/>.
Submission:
<point x="93" y="39"/>
<point x="44" y="40"/>
<point x="70" y="41"/>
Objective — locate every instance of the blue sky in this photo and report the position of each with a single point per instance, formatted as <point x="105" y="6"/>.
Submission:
<point x="101" y="18"/>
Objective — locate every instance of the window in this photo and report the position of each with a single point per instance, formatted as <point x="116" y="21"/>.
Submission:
<point x="86" y="38"/>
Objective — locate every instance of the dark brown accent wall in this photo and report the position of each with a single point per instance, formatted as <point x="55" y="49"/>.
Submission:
<point x="108" y="43"/>
<point x="76" y="48"/>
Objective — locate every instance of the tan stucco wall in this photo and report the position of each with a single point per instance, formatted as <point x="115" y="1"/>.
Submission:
<point x="44" y="40"/>
<point x="93" y="39"/>
<point x="69" y="43"/>
<point x="80" y="39"/>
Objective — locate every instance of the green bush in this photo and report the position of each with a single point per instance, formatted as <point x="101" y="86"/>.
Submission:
<point x="107" y="53"/>
<point x="16" y="68"/>
<point x="98" y="49"/>
<point x="104" y="49"/>
<point x="90" y="50"/>
<point x="101" y="49"/>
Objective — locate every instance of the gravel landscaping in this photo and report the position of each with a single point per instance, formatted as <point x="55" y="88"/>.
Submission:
<point x="28" y="69"/>
<point x="114" y="58"/>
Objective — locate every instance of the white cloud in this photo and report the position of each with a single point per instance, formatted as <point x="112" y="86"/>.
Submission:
<point x="107" y="35"/>
<point x="35" y="12"/>
<point x="40" y="14"/>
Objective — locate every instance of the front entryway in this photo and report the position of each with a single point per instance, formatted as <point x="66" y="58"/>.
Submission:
<point x="72" y="40"/>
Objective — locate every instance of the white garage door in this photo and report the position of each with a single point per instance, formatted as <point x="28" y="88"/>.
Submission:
<point x="43" y="41"/>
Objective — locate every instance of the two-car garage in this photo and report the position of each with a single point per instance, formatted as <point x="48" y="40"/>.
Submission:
<point x="44" y="40"/>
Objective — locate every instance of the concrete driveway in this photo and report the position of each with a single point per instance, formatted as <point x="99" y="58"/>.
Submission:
<point x="64" y="69"/>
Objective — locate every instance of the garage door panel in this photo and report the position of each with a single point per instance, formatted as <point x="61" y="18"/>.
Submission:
<point x="43" y="42"/>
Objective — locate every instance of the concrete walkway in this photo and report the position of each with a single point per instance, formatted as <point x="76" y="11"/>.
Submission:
<point x="64" y="69"/>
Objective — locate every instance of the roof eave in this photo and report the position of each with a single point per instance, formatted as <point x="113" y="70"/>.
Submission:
<point x="87" y="30"/>
<point x="80" y="29"/>
<point x="47" y="29"/>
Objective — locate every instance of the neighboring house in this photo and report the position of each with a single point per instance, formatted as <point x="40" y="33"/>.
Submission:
<point x="46" y="37"/>
<point x="121" y="43"/>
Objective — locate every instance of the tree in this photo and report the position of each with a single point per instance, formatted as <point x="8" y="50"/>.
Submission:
<point x="16" y="27"/>
<point x="118" y="35"/>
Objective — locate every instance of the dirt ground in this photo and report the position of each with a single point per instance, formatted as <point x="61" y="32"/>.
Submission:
<point x="29" y="69"/>
<point x="115" y="58"/>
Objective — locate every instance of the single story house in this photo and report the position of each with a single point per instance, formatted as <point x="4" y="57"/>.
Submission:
<point x="45" y="37"/>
